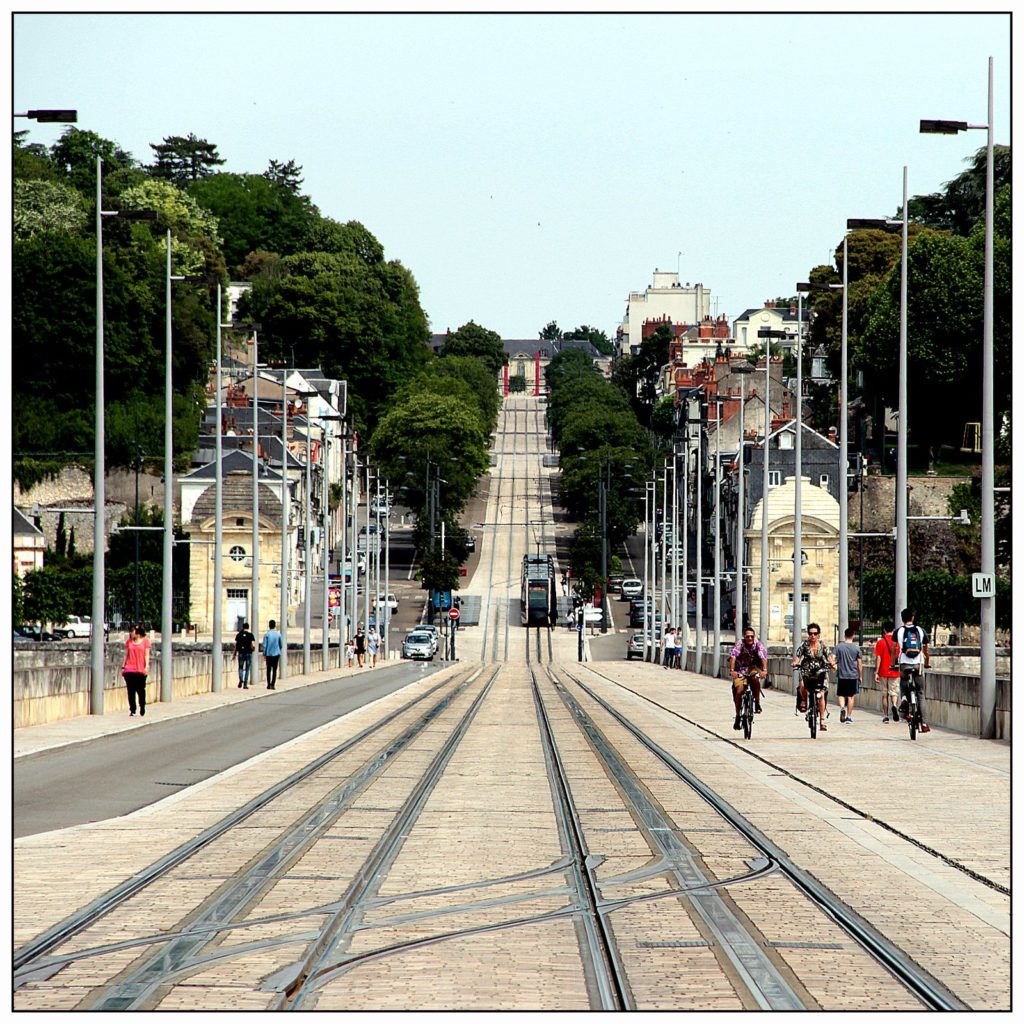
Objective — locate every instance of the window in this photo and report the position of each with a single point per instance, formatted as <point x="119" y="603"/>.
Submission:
<point x="237" y="553"/>
<point x="239" y="522"/>
<point x="235" y="593"/>
<point x="823" y="481"/>
<point x="774" y="478"/>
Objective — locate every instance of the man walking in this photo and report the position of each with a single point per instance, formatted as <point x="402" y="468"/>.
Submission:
<point x="849" y="673"/>
<point x="668" y="650"/>
<point x="245" y="644"/>
<point x="887" y="675"/>
<point x="272" y="652"/>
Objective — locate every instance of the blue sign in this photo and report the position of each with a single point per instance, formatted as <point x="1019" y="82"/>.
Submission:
<point x="443" y="599"/>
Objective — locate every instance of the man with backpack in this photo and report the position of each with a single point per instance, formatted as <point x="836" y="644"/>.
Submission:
<point x="912" y="642"/>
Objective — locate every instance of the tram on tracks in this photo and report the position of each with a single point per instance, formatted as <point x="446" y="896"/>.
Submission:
<point x="539" y="594"/>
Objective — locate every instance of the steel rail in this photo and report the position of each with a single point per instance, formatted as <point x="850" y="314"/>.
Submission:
<point x="606" y="967"/>
<point x="26" y="955"/>
<point x="304" y="975"/>
<point x="929" y="990"/>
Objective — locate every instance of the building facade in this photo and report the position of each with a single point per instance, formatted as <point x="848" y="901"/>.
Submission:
<point x="664" y="299"/>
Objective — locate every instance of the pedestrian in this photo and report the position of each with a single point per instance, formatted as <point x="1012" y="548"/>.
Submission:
<point x="677" y="654"/>
<point x="373" y="646"/>
<point x="668" y="651"/>
<point x="887" y="675"/>
<point x="849" y="672"/>
<point x="360" y="643"/>
<point x="272" y="652"/>
<point x="350" y="653"/>
<point x="245" y="644"/>
<point x="136" y="668"/>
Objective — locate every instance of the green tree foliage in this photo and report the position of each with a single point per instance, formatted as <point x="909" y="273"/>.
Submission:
<point x="473" y="340"/>
<point x="74" y="155"/>
<point x="551" y="332"/>
<point x="181" y="158"/>
<point x="938" y="599"/>
<point x="517" y="384"/>
<point x="596" y="338"/>
<point x="18" y="601"/>
<point x="45" y="598"/>
<point x="361" y="322"/>
<point x="637" y="375"/>
<point x="287" y="175"/>
<point x="444" y="430"/>
<point x="256" y="212"/>
<point x="961" y="203"/>
<point x="44" y="207"/>
<point x="480" y="380"/>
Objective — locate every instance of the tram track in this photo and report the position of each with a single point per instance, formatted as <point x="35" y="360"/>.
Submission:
<point x="932" y="994"/>
<point x="31" y="959"/>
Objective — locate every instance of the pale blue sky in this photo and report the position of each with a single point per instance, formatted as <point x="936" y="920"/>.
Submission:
<point x="533" y="167"/>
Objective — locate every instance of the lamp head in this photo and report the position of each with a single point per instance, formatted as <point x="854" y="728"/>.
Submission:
<point x="942" y="127"/>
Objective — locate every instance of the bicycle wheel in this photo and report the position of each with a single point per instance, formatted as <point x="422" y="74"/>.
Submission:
<point x="914" y="717"/>
<point x="812" y="716"/>
<point x="747" y="712"/>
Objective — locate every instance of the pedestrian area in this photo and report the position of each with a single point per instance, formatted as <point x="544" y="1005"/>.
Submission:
<point x="913" y="836"/>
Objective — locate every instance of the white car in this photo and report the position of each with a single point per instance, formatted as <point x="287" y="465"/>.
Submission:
<point x="434" y="633"/>
<point x="632" y="587"/>
<point x="388" y="601"/>
<point x="418" y="646"/>
<point x="77" y="627"/>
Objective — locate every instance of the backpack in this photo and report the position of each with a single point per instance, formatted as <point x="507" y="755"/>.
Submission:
<point x="911" y="644"/>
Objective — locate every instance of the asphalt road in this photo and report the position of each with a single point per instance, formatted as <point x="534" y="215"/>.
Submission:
<point x="118" y="774"/>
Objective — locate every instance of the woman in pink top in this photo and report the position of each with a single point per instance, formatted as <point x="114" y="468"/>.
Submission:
<point x="136" y="668"/>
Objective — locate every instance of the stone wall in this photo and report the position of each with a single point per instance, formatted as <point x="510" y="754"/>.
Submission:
<point x="53" y="683"/>
<point x="929" y="496"/>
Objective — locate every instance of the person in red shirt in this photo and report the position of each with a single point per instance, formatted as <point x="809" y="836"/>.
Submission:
<point x="887" y="675"/>
<point x="136" y="668"/>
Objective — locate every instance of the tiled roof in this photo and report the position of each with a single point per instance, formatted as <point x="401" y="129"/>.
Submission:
<point x="236" y="498"/>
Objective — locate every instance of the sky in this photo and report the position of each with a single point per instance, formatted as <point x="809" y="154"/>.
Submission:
<point x="530" y="167"/>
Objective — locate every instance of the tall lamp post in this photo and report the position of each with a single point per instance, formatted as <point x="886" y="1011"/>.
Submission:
<point x="742" y="369"/>
<point x="988" y="527"/>
<point x="99" y="465"/>
<point x="844" y="470"/>
<point x="717" y="590"/>
<point x="901" y="436"/>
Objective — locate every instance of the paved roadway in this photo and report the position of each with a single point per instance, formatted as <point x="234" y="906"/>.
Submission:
<point x="502" y="841"/>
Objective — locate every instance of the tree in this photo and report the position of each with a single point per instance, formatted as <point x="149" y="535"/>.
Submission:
<point x="75" y="153"/>
<point x="45" y="599"/>
<point x="61" y="545"/>
<point x="255" y="213"/>
<point x="596" y="338"/>
<point x="42" y="207"/>
<point x="961" y="204"/>
<point x="288" y="176"/>
<point x="478" y="377"/>
<point x="551" y="332"/>
<point x="18" y="601"/>
<point x="516" y="384"/>
<point x="473" y="340"/>
<point x="182" y="158"/>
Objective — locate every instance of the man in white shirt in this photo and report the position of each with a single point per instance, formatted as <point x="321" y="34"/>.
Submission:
<point x="668" y="648"/>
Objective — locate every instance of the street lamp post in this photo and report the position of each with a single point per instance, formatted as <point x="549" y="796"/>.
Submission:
<point x="216" y="643"/>
<point x="844" y="480"/>
<point x="717" y="592"/>
<point x="286" y="506"/>
<point x="255" y="583"/>
<point x="988" y="550"/>
<point x="901" y="442"/>
<point x="742" y="369"/>
<point x="99" y="464"/>
<point x="307" y="562"/>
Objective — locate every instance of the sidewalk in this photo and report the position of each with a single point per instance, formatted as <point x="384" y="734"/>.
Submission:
<point x="34" y="739"/>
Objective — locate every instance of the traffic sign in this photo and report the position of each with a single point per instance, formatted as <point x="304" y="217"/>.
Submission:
<point x="983" y="584"/>
<point x="453" y="614"/>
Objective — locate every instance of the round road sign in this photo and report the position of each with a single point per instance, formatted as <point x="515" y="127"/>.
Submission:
<point x="453" y="613"/>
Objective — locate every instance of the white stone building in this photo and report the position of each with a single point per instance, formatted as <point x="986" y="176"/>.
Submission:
<point x="664" y="298"/>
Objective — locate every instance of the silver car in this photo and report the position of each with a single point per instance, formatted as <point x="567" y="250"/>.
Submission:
<point x="418" y="646"/>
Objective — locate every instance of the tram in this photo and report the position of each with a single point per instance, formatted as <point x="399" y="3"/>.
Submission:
<point x="539" y="595"/>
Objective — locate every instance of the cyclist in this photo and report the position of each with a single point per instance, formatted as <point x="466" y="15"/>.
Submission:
<point x="814" y="658"/>
<point x="912" y="641"/>
<point x="748" y="663"/>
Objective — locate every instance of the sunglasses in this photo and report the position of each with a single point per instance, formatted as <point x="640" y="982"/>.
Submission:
<point x="751" y="637"/>
<point x="814" y="632"/>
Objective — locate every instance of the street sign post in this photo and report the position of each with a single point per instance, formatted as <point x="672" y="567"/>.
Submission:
<point x="453" y="614"/>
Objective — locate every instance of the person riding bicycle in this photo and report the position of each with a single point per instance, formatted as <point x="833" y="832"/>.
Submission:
<point x="748" y="664"/>
<point x="913" y="646"/>
<point x="814" y="659"/>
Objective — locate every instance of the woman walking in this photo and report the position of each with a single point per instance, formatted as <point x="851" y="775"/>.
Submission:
<point x="136" y="668"/>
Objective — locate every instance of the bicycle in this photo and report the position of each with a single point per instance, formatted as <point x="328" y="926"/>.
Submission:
<point x="815" y="686"/>
<point x="747" y="707"/>
<point x="913" y="712"/>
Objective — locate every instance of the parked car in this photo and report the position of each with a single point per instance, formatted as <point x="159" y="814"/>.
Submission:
<point x="615" y="582"/>
<point x="36" y="633"/>
<point x="632" y="587"/>
<point x="635" y="646"/>
<point x="418" y="646"/>
<point x="22" y="638"/>
<point x="389" y="601"/>
<point x="434" y="632"/>
<point x="380" y="507"/>
<point x="77" y="627"/>
<point x="470" y="542"/>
